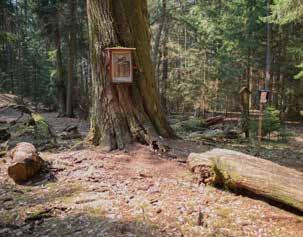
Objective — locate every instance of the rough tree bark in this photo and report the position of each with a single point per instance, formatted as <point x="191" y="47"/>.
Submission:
<point x="157" y="52"/>
<point x="122" y="113"/>
<point x="159" y="33"/>
<point x="165" y="58"/>
<point x="60" y="84"/>
<point x="245" y="120"/>
<point x="268" y="49"/>
<point x="244" y="173"/>
<point x="71" y="58"/>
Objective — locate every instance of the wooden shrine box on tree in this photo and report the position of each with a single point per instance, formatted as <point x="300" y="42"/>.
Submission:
<point x="120" y="62"/>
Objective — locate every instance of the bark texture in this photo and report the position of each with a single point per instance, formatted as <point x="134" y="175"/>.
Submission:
<point x="240" y="172"/>
<point x="122" y="113"/>
<point x="165" y="68"/>
<point x="60" y="83"/>
<point x="72" y="58"/>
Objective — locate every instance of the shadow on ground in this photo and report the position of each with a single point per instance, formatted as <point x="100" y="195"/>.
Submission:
<point x="79" y="225"/>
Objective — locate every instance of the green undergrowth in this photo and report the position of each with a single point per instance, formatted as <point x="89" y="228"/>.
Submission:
<point x="42" y="130"/>
<point x="187" y="126"/>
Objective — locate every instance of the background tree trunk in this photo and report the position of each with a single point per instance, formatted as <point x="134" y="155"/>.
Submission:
<point x="268" y="49"/>
<point x="159" y="33"/>
<point x="122" y="113"/>
<point x="71" y="59"/>
<point x="165" y="59"/>
<point x="60" y="84"/>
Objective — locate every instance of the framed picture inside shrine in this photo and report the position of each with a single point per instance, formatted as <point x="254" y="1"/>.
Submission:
<point x="121" y="65"/>
<point x="264" y="96"/>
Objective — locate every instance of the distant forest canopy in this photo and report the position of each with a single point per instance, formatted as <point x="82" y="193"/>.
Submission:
<point x="204" y="52"/>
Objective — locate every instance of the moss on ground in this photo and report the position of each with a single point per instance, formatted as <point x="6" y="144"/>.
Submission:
<point x="42" y="130"/>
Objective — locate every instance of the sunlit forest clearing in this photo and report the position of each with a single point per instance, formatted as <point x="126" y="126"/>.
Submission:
<point x="151" y="118"/>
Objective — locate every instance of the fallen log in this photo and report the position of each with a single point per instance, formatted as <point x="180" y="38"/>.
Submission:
<point x="26" y="162"/>
<point x="214" y="120"/>
<point x="42" y="128"/>
<point x="70" y="132"/>
<point x="240" y="172"/>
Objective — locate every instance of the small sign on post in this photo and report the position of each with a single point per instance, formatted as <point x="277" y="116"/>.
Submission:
<point x="120" y="64"/>
<point x="264" y="96"/>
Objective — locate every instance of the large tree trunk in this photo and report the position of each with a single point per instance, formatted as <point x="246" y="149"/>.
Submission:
<point x="122" y="113"/>
<point x="244" y="173"/>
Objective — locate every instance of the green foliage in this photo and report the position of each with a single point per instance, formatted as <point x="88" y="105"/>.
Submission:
<point x="272" y="122"/>
<point x="191" y="125"/>
<point x="211" y="45"/>
<point x="300" y="74"/>
<point x="216" y="47"/>
<point x="286" y="11"/>
<point x="41" y="127"/>
<point x="286" y="135"/>
<point x="24" y="67"/>
<point x="6" y="37"/>
<point x="29" y="39"/>
<point x="253" y="127"/>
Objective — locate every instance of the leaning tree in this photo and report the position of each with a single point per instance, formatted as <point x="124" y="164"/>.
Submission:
<point x="122" y="113"/>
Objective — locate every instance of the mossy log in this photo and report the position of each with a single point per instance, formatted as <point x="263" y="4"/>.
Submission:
<point x="42" y="128"/>
<point x="240" y="172"/>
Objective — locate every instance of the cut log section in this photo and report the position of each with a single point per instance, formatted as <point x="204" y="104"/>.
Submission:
<point x="244" y="173"/>
<point x="26" y="162"/>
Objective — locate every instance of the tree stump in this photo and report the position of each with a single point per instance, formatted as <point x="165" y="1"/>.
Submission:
<point x="244" y="173"/>
<point x="26" y="162"/>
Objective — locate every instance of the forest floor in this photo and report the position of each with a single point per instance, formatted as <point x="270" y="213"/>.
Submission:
<point x="138" y="192"/>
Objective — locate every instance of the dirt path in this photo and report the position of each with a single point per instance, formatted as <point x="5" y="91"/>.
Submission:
<point x="133" y="192"/>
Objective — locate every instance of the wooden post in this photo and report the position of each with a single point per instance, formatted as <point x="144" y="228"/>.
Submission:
<point x="260" y="123"/>
<point x="263" y="100"/>
<point x="244" y="95"/>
